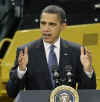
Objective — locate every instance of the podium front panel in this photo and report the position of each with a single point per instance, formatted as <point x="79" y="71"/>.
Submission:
<point x="44" y="96"/>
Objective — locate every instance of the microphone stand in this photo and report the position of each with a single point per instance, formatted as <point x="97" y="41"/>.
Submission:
<point x="56" y="75"/>
<point x="68" y="74"/>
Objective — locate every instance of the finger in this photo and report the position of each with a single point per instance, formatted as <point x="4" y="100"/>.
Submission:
<point x="21" y="53"/>
<point x="88" y="52"/>
<point x="20" y="62"/>
<point x="20" y="56"/>
<point x="26" y="51"/>
<point x="20" y="59"/>
<point x="82" y="50"/>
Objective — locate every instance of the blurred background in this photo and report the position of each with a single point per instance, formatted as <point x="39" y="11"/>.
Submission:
<point x="19" y="24"/>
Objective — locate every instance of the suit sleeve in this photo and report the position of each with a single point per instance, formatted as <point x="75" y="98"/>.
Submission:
<point x="84" y="82"/>
<point x="15" y="84"/>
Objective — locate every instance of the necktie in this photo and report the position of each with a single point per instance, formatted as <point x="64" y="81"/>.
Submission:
<point x="52" y="60"/>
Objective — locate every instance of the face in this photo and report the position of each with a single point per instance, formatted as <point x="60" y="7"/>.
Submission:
<point x="50" y="27"/>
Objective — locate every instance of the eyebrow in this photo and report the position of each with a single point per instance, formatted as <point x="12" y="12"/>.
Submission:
<point x="50" y="23"/>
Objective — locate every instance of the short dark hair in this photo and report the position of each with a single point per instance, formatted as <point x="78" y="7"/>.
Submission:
<point x="55" y="10"/>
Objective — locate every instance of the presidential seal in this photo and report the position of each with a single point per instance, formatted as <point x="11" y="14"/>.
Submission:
<point x="64" y="94"/>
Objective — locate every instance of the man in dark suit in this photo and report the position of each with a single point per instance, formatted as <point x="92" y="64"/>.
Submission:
<point x="31" y="70"/>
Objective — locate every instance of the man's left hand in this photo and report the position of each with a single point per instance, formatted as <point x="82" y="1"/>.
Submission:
<point x="86" y="59"/>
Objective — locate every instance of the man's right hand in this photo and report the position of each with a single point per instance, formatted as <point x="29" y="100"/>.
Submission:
<point x="23" y="59"/>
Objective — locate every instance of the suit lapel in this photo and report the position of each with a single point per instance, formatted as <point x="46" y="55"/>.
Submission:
<point x="65" y="54"/>
<point x="42" y="56"/>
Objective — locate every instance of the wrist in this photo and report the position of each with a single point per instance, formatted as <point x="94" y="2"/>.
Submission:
<point x="22" y="68"/>
<point x="88" y="69"/>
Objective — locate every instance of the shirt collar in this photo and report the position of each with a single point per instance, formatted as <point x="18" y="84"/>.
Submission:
<point x="57" y="44"/>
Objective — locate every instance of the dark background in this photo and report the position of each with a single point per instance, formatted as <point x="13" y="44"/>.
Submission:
<point x="78" y="11"/>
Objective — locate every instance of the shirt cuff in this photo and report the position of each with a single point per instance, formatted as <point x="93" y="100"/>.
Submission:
<point x="89" y="74"/>
<point x="20" y="73"/>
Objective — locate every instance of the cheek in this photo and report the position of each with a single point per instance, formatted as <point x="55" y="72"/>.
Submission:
<point x="57" y="32"/>
<point x="41" y="29"/>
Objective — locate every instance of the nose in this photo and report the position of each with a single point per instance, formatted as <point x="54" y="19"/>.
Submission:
<point x="46" y="28"/>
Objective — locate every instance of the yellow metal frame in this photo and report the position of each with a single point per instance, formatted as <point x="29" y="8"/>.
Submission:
<point x="71" y="33"/>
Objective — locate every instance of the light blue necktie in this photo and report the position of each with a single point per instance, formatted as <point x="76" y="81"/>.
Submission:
<point x="52" y="60"/>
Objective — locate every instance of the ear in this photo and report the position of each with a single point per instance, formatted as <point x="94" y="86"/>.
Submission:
<point x="64" y="25"/>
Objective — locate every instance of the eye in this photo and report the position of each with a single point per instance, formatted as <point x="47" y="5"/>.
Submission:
<point x="42" y="22"/>
<point x="52" y="24"/>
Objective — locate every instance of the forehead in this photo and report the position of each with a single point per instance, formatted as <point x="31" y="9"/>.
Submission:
<point x="49" y="17"/>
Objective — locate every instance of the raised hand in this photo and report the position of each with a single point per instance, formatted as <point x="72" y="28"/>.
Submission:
<point x="86" y="59"/>
<point x="23" y="59"/>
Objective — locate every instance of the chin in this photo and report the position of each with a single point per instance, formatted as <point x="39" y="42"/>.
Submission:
<point x="48" y="41"/>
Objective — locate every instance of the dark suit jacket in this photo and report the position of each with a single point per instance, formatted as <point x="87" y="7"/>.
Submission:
<point x="37" y="76"/>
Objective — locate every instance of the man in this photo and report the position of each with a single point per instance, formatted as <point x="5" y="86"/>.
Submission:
<point x="33" y="61"/>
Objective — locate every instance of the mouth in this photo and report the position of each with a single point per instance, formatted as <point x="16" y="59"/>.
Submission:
<point x="45" y="36"/>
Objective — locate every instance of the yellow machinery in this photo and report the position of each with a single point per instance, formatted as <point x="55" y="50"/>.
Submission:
<point x="87" y="35"/>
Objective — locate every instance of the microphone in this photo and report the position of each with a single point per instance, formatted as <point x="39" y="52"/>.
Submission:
<point x="56" y="75"/>
<point x="68" y="73"/>
<point x="55" y="72"/>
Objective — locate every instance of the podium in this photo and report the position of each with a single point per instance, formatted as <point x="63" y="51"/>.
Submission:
<point x="44" y="96"/>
